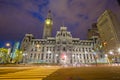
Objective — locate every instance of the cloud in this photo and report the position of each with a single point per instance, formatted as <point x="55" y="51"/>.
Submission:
<point x="18" y="17"/>
<point x="80" y="12"/>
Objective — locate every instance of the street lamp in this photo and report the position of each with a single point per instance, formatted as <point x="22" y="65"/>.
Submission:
<point x="24" y="57"/>
<point x="118" y="54"/>
<point x="106" y="55"/>
<point x="112" y="56"/>
<point x="8" y="45"/>
<point x="56" y="58"/>
<point x="95" y="57"/>
<point x="107" y="58"/>
<point x="65" y="60"/>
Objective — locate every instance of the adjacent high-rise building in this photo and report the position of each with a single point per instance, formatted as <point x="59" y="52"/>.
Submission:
<point x="48" y="26"/>
<point x="109" y="30"/>
<point x="118" y="2"/>
<point x="93" y="32"/>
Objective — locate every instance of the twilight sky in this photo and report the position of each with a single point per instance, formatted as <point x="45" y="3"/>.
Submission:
<point x="18" y="17"/>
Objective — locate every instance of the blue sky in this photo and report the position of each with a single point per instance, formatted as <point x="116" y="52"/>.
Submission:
<point x="18" y="17"/>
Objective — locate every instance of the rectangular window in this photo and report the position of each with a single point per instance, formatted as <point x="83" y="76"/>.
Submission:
<point x="89" y="49"/>
<point x="38" y="56"/>
<point x="84" y="56"/>
<point x="87" y="56"/>
<point x="49" y="56"/>
<point x="34" y="55"/>
<point x="31" y="55"/>
<point x="43" y="49"/>
<point x="46" y="55"/>
<point x="80" y="56"/>
<point x="91" y="56"/>
<point x="83" y="49"/>
<point x="42" y="55"/>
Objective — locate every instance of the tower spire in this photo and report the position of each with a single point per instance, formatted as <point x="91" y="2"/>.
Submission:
<point x="48" y="26"/>
<point x="49" y="15"/>
<point x="63" y="24"/>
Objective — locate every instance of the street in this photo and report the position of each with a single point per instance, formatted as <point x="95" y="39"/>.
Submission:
<point x="25" y="73"/>
<point x="60" y="73"/>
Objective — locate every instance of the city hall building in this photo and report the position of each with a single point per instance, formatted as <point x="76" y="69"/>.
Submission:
<point x="61" y="49"/>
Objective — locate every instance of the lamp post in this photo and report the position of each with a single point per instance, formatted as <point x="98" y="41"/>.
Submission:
<point x="95" y="56"/>
<point x="24" y="58"/>
<point x="65" y="60"/>
<point x="48" y="56"/>
<point x="8" y="45"/>
<point x="118" y="55"/>
<point x="106" y="55"/>
<point x="73" y="58"/>
<point x="112" y="56"/>
<point x="56" y="58"/>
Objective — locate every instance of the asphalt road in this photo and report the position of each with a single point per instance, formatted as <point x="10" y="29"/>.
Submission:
<point x="60" y="73"/>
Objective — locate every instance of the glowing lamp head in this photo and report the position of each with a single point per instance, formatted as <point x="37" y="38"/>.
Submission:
<point x="7" y="44"/>
<point x="111" y="52"/>
<point x="106" y="55"/>
<point x="105" y="43"/>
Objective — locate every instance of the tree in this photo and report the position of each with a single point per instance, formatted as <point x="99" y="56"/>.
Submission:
<point x="4" y="56"/>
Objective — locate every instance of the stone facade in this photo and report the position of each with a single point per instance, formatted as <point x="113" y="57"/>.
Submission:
<point x="62" y="49"/>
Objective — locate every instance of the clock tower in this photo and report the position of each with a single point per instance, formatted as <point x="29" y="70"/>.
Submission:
<point x="48" y="26"/>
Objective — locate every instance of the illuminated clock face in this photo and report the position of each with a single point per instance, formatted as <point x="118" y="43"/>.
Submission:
<point x="48" y="21"/>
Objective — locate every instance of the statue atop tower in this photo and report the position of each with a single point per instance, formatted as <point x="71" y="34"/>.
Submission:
<point x="48" y="26"/>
